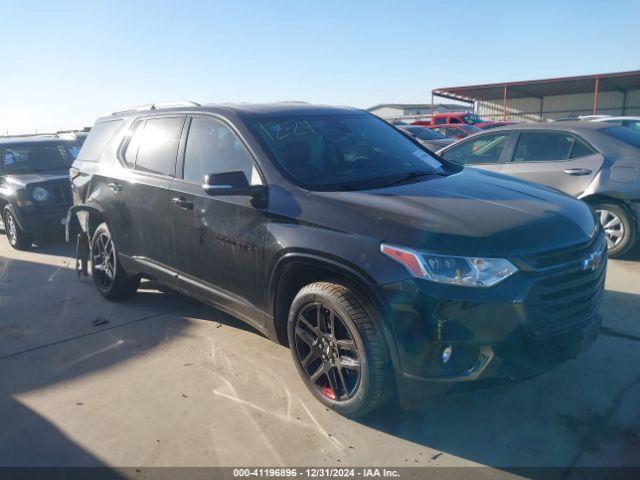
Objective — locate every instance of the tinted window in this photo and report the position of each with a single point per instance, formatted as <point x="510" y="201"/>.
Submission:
<point x="454" y="132"/>
<point x="425" y="134"/>
<point x="482" y="149"/>
<point x="159" y="145"/>
<point x="440" y="121"/>
<point x="581" y="149"/>
<point x="37" y="156"/>
<point x="543" y="146"/>
<point x="213" y="148"/>
<point x="470" y="129"/>
<point x="330" y="152"/>
<point x="626" y="134"/>
<point x="454" y="120"/>
<point x="97" y="140"/>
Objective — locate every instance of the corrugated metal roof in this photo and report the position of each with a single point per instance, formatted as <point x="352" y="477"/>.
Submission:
<point x="618" y="81"/>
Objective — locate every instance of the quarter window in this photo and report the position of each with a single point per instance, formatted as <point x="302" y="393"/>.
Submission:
<point x="158" y="145"/>
<point x="581" y="149"/>
<point x="213" y="148"/>
<point x="98" y="139"/>
<point x="543" y="146"/>
<point x="481" y="150"/>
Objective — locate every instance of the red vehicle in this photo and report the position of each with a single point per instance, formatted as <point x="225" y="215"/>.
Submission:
<point x="456" y="130"/>
<point x="449" y="118"/>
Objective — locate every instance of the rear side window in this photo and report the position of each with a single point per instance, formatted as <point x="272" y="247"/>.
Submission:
<point x="213" y="148"/>
<point x="485" y="149"/>
<point x="543" y="146"/>
<point x="100" y="135"/>
<point x="440" y="121"/>
<point x="158" y="145"/>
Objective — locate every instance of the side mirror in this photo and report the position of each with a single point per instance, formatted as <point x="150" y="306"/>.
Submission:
<point x="227" y="183"/>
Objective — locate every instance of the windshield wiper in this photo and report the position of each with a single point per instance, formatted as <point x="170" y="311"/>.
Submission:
<point x="415" y="174"/>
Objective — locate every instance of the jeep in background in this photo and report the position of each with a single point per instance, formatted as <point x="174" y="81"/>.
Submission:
<point x="383" y="267"/>
<point x="35" y="193"/>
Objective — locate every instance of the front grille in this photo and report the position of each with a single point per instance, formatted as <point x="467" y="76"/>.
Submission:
<point x="556" y="258"/>
<point x="565" y="294"/>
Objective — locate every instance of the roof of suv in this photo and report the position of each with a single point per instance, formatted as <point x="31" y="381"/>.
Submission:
<point x="249" y="109"/>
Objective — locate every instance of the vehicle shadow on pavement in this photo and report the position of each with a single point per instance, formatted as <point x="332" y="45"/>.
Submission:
<point x="40" y="351"/>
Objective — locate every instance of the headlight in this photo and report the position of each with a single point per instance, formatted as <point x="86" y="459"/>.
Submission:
<point x="40" y="194"/>
<point x="464" y="271"/>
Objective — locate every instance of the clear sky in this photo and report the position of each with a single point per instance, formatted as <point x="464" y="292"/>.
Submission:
<point x="66" y="63"/>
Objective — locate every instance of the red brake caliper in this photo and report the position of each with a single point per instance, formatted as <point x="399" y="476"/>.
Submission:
<point x="328" y="392"/>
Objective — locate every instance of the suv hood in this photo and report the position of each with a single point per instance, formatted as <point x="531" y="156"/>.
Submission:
<point x="24" y="179"/>
<point x="468" y="213"/>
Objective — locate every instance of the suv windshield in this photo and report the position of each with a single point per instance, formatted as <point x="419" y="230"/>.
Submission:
<point x="37" y="156"/>
<point x="342" y="152"/>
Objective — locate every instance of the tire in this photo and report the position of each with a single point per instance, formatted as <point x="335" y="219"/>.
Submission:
<point x="18" y="238"/>
<point x="622" y="230"/>
<point x="352" y="357"/>
<point x="109" y="277"/>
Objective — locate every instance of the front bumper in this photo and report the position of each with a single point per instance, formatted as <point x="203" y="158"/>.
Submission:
<point x="33" y="219"/>
<point x="530" y="323"/>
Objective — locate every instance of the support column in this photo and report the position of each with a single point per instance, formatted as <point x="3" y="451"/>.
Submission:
<point x="504" y="103"/>
<point x="432" y="107"/>
<point x="595" y="96"/>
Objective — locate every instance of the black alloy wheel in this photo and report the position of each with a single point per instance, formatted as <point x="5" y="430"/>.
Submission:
<point x="338" y="348"/>
<point x="109" y="277"/>
<point x="327" y="352"/>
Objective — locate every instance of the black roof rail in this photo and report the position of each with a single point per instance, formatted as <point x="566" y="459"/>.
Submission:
<point x="157" y="106"/>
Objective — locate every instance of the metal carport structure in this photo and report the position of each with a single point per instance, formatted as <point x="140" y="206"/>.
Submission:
<point x="553" y="98"/>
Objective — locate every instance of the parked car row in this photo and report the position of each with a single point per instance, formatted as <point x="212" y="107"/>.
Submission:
<point x="388" y="270"/>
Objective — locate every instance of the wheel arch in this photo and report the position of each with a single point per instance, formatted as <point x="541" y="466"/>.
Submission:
<point x="89" y="222"/>
<point x="294" y="270"/>
<point x="596" y="198"/>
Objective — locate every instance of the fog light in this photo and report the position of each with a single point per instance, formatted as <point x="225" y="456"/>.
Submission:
<point x="446" y="353"/>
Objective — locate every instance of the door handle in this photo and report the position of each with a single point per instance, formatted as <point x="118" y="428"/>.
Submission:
<point x="577" y="171"/>
<point x="115" y="187"/>
<point x="182" y="203"/>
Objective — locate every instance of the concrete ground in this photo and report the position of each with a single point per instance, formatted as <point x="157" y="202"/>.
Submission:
<point x="161" y="380"/>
